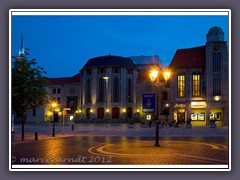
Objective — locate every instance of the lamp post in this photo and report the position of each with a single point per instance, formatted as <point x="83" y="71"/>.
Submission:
<point x="106" y="104"/>
<point x="54" y="105"/>
<point x="158" y="82"/>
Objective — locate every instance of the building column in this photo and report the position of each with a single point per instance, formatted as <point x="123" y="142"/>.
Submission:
<point x="188" y="111"/>
<point x="207" y="115"/>
<point x="171" y="115"/>
<point x="225" y="114"/>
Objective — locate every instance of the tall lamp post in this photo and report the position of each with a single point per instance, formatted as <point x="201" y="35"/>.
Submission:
<point x="158" y="82"/>
<point x="54" y="105"/>
<point x="106" y="94"/>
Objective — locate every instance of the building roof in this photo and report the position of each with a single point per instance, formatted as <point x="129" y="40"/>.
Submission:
<point x="109" y="61"/>
<point x="214" y="29"/>
<point x="191" y="57"/>
<point x="146" y="60"/>
<point x="64" y="80"/>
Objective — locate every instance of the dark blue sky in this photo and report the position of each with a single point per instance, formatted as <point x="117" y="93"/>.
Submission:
<point x="63" y="44"/>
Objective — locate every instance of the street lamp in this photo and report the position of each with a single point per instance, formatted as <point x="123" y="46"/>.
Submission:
<point x="54" y="105"/>
<point x="158" y="81"/>
<point x="106" y="104"/>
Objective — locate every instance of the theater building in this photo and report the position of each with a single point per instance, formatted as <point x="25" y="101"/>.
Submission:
<point x="108" y="88"/>
<point x="116" y="88"/>
<point x="199" y="86"/>
<point x="112" y="87"/>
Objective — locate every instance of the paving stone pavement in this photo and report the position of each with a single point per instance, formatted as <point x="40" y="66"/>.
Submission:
<point x="120" y="145"/>
<point x="45" y="131"/>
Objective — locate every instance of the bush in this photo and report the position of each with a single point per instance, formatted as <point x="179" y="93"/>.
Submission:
<point x="212" y="121"/>
<point x="189" y="121"/>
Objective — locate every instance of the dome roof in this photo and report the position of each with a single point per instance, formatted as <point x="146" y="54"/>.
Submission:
<point x="215" y="29"/>
<point x="109" y="61"/>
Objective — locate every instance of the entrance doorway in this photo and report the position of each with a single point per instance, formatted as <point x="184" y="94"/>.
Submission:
<point x="100" y="113"/>
<point x="88" y="113"/>
<point x="181" y="118"/>
<point x="115" y="113"/>
<point x="129" y="112"/>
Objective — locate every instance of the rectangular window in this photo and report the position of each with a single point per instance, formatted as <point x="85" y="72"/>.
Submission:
<point x="59" y="91"/>
<point x="88" y="91"/>
<point x="116" y="70"/>
<point x="101" y="70"/>
<point x="129" y="90"/>
<point x="196" y="84"/>
<point x="165" y="95"/>
<point x="181" y="85"/>
<point x="217" y="73"/>
<point x="216" y="62"/>
<point x="54" y="91"/>
<point x="58" y="100"/>
<point x="34" y="112"/>
<point x="89" y="71"/>
<point x="72" y="91"/>
<point x="116" y="90"/>
<point x="130" y="71"/>
<point x="216" y="85"/>
<point x="101" y="88"/>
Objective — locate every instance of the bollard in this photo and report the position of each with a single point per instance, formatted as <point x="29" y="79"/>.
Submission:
<point x="157" y="135"/>
<point x="72" y="127"/>
<point x="36" y="136"/>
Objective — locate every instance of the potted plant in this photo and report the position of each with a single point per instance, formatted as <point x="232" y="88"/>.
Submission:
<point x="189" y="123"/>
<point x="213" y="123"/>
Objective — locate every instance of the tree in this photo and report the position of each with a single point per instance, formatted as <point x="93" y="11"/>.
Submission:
<point x="28" y="89"/>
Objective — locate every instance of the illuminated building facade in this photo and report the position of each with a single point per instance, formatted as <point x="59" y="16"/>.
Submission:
<point x="114" y="88"/>
<point x="199" y="86"/>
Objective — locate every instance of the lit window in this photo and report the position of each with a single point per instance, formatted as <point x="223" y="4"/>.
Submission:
<point x="196" y="85"/>
<point x="181" y="85"/>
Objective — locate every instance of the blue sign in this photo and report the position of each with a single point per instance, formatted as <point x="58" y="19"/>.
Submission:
<point x="148" y="103"/>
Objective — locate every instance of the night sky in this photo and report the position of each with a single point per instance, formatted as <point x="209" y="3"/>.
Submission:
<point x="63" y="44"/>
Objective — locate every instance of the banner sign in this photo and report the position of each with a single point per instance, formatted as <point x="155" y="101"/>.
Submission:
<point x="148" y="103"/>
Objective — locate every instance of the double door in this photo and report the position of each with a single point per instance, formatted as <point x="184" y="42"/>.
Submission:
<point x="181" y="118"/>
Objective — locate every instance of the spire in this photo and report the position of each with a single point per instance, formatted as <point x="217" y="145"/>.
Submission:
<point x="21" y="50"/>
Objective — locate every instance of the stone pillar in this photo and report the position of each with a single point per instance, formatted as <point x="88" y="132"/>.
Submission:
<point x="171" y="116"/>
<point x="188" y="110"/>
<point x="207" y="114"/>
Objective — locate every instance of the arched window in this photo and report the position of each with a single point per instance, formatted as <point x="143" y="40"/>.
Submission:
<point x="129" y="112"/>
<point x="115" y="113"/>
<point x="100" y="113"/>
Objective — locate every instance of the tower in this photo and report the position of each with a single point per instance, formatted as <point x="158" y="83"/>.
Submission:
<point x="21" y="50"/>
<point x="217" y="83"/>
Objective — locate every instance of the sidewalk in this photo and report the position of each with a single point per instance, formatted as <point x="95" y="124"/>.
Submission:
<point x="45" y="131"/>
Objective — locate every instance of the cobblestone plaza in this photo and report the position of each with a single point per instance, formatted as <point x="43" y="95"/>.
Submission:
<point x="116" y="144"/>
